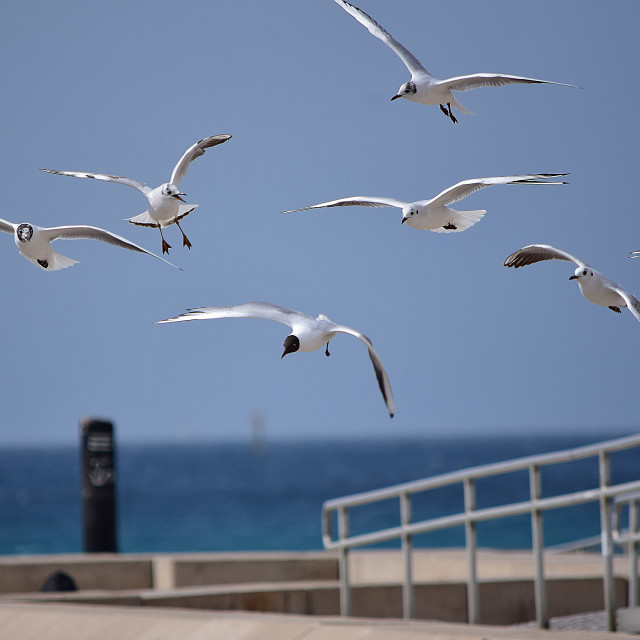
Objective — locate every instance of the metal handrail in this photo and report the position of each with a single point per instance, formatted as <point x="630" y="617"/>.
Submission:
<point x="606" y="494"/>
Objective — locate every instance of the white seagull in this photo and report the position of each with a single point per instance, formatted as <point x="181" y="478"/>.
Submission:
<point x="34" y="242"/>
<point x="594" y="286"/>
<point x="434" y="214"/>
<point x="426" y="89"/>
<point x="307" y="333"/>
<point x="164" y="201"/>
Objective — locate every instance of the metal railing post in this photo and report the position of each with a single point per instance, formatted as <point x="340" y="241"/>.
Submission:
<point x="606" y="534"/>
<point x="537" y="540"/>
<point x="471" y="539"/>
<point x="633" y="552"/>
<point x="343" y="562"/>
<point x="407" y="544"/>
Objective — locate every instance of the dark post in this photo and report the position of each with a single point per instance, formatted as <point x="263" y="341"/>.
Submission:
<point x="98" y="485"/>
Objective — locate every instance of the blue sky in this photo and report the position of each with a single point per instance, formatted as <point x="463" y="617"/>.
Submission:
<point x="469" y="346"/>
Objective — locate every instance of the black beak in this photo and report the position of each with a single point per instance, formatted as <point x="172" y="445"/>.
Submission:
<point x="573" y="278"/>
<point x="403" y="220"/>
<point x="396" y="96"/>
<point x="289" y="348"/>
<point x="177" y="195"/>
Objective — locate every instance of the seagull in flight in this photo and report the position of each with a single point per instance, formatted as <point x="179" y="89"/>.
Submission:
<point x="425" y="88"/>
<point x="594" y="286"/>
<point x="307" y="333"/>
<point x="164" y="201"/>
<point x="34" y="242"/>
<point x="434" y="214"/>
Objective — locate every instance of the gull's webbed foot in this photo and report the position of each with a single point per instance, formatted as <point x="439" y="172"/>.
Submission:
<point x="453" y="118"/>
<point x="185" y="240"/>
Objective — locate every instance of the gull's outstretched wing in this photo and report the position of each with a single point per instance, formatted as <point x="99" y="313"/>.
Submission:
<point x="264" y="310"/>
<point x="381" y="374"/>
<point x="129" y="182"/>
<point x="6" y="226"/>
<point x="467" y="187"/>
<point x="356" y="201"/>
<point x="632" y="302"/>
<point x="82" y="232"/>
<point x="410" y="61"/>
<point x="477" y="80"/>
<point x="536" y="253"/>
<point x="195" y="151"/>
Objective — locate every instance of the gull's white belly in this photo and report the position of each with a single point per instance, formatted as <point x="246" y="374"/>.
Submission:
<point x="601" y="295"/>
<point x="36" y="249"/>
<point x="311" y="338"/>
<point x="163" y="209"/>
<point x="429" y="218"/>
<point x="431" y="93"/>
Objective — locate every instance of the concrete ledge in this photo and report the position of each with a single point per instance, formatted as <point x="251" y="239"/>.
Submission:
<point x="69" y="622"/>
<point x="501" y="602"/>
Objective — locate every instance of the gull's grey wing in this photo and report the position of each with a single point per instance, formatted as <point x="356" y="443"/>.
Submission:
<point x="411" y="62"/>
<point x="356" y="201"/>
<point x="82" y="232"/>
<point x="477" y="80"/>
<point x="467" y="187"/>
<point x="378" y="367"/>
<point x="264" y="310"/>
<point x="7" y="227"/>
<point x="195" y="151"/>
<point x="129" y="182"/>
<point x="632" y="302"/>
<point x="536" y="253"/>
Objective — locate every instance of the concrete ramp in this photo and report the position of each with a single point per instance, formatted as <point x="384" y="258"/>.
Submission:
<point x="20" y="621"/>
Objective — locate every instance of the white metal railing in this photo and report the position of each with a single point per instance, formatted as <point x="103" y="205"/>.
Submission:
<point x="625" y="494"/>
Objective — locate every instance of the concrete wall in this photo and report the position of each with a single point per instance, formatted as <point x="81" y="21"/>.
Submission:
<point x="501" y="602"/>
<point x="20" y="574"/>
<point x="298" y="583"/>
<point x="241" y="568"/>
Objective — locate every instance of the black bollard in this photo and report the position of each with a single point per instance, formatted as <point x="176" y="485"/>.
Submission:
<point x="98" y="485"/>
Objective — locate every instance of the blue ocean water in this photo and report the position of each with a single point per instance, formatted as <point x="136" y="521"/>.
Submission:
<point x="226" y="497"/>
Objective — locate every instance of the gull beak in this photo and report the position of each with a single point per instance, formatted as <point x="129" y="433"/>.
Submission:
<point x="574" y="278"/>
<point x="396" y="96"/>
<point x="403" y="220"/>
<point x="177" y="195"/>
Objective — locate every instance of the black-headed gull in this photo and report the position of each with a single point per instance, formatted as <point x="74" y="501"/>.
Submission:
<point x="426" y="89"/>
<point x="594" y="286"/>
<point x="164" y="201"/>
<point x="307" y="333"/>
<point x="34" y="242"/>
<point x="434" y="214"/>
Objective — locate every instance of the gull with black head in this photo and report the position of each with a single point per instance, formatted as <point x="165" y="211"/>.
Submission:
<point x="164" y="201"/>
<point x="434" y="214"/>
<point x="307" y="333"/>
<point x="425" y="88"/>
<point x="34" y="243"/>
<point x="594" y="286"/>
